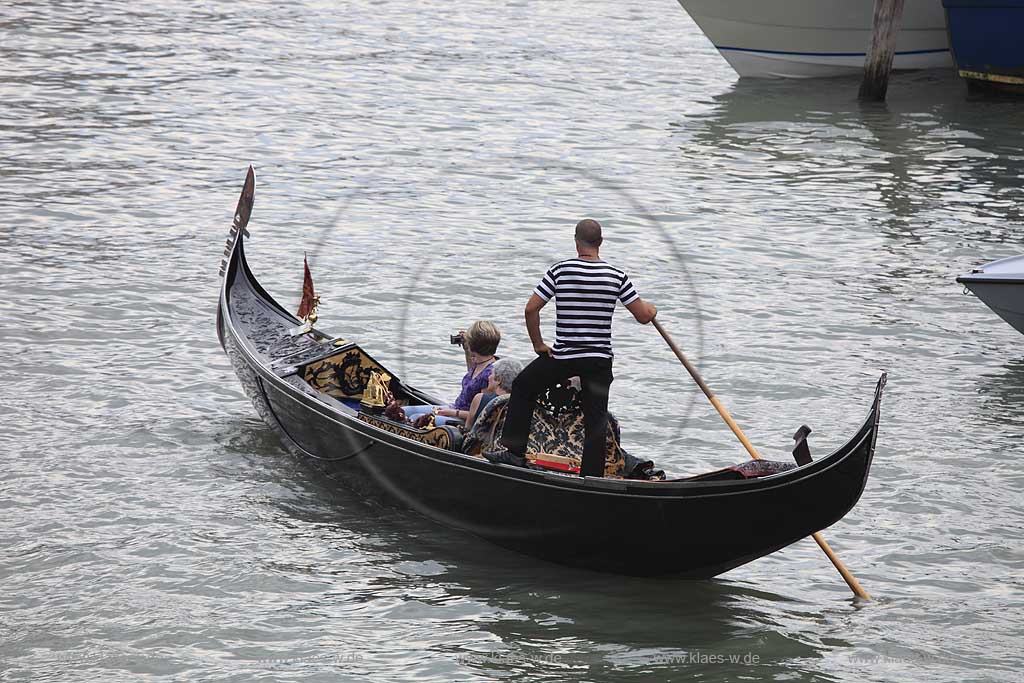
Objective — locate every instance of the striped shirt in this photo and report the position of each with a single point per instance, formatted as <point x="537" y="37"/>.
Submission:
<point x="585" y="293"/>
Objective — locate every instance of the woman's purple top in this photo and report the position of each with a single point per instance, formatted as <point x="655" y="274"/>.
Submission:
<point x="471" y="386"/>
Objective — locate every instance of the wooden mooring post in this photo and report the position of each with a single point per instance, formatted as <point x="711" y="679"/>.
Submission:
<point x="878" y="61"/>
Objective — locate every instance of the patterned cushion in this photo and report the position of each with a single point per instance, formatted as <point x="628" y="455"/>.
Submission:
<point x="344" y="374"/>
<point x="557" y="429"/>
<point x="444" y="436"/>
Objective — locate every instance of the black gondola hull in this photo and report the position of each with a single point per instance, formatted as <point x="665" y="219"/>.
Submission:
<point x="689" y="529"/>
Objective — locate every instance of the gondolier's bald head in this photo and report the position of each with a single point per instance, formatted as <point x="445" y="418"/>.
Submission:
<point x="588" y="232"/>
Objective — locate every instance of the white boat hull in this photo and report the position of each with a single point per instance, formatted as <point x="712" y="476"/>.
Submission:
<point x="816" y="38"/>
<point x="1000" y="285"/>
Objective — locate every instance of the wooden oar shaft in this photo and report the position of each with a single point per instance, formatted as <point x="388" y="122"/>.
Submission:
<point x="851" y="581"/>
<point x="843" y="571"/>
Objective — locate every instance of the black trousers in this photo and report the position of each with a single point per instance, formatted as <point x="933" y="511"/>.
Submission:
<point x="595" y="377"/>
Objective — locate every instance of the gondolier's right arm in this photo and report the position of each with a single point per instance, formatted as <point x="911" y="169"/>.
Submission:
<point x="533" y="307"/>
<point x="643" y="311"/>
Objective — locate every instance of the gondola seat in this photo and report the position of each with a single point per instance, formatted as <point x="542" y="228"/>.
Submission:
<point x="447" y="437"/>
<point x="343" y="374"/>
<point x="556" y="436"/>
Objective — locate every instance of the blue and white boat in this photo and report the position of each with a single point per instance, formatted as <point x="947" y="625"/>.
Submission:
<point x="987" y="37"/>
<point x="816" y="38"/>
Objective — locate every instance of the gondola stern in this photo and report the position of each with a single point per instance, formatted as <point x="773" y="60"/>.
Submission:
<point x="876" y="411"/>
<point x="876" y="406"/>
<point x="869" y="428"/>
<point x="854" y="457"/>
<point x="858" y="454"/>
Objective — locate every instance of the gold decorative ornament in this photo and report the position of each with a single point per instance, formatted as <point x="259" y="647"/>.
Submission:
<point x="377" y="393"/>
<point x="313" y="316"/>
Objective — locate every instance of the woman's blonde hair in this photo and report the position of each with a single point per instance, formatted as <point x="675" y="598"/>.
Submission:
<point x="483" y="337"/>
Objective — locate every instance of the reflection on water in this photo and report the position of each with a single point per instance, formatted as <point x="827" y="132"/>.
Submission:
<point x="1002" y="396"/>
<point x="401" y="567"/>
<point x="926" y="148"/>
<point x="529" y="606"/>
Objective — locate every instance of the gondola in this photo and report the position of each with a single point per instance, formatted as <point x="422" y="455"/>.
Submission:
<point x="694" y="528"/>
<point x="1000" y="284"/>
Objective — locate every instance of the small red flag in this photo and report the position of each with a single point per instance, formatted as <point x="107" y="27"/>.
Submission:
<point x="306" y="305"/>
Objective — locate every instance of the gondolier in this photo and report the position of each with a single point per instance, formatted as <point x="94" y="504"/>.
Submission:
<point x="585" y="290"/>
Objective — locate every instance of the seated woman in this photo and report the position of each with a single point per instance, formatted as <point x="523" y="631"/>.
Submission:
<point x="503" y="373"/>
<point x="479" y="343"/>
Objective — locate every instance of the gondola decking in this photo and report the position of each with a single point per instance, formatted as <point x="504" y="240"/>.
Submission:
<point x="685" y="528"/>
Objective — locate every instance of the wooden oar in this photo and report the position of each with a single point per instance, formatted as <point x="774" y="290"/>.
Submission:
<point x="847" y="576"/>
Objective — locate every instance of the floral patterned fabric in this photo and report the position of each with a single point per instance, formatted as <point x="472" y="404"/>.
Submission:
<point x="557" y="430"/>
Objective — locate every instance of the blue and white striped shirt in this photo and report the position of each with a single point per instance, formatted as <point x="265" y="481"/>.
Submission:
<point x="585" y="293"/>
